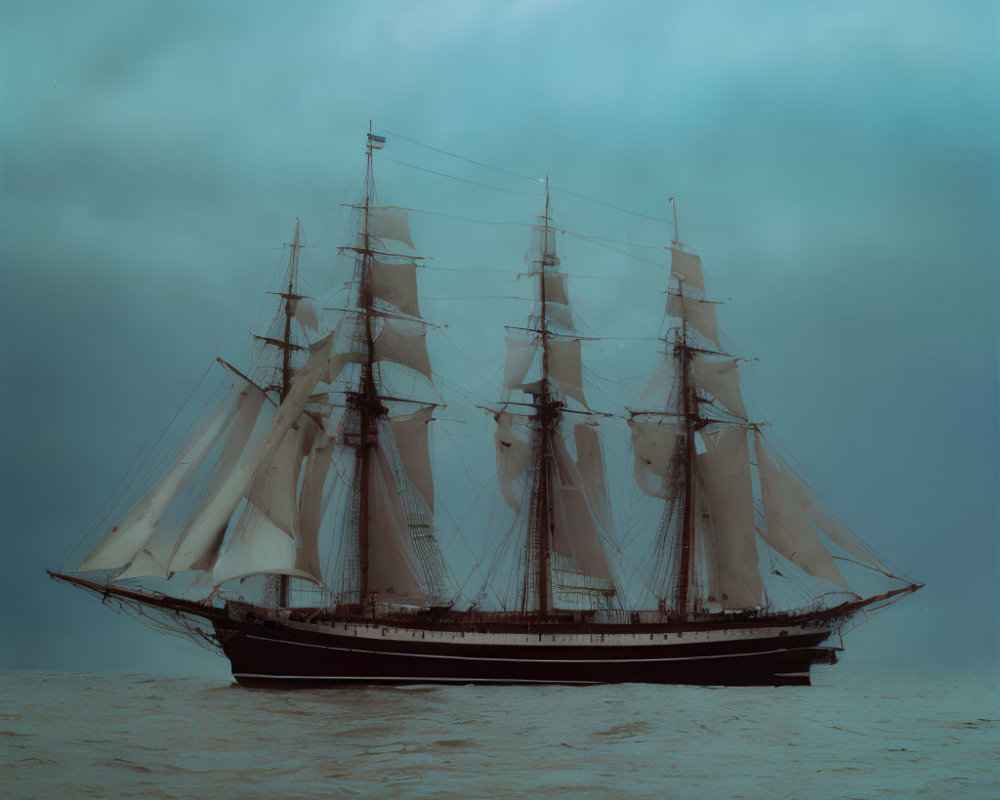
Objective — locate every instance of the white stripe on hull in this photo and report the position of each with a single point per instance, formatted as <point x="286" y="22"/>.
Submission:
<point x="532" y="660"/>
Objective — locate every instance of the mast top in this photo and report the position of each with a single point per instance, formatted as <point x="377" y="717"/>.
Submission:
<point x="677" y="236"/>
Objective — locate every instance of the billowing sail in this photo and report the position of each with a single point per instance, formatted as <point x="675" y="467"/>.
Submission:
<point x="312" y="504"/>
<point x="396" y="284"/>
<point x="393" y="566"/>
<point x="411" y="435"/>
<point x="389" y="222"/>
<point x="686" y="267"/>
<point x="304" y="312"/>
<point x="574" y="532"/>
<point x="654" y="443"/>
<point x="699" y="314"/>
<point x="788" y="530"/>
<point x="231" y="475"/>
<point x="590" y="465"/>
<point x="126" y="539"/>
<point x="720" y="378"/>
<point x="405" y="347"/>
<point x="513" y="453"/>
<point x="724" y="469"/>
<point x="565" y="367"/>
<point x="520" y="356"/>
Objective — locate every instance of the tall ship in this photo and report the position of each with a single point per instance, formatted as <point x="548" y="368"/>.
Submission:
<point x="293" y="526"/>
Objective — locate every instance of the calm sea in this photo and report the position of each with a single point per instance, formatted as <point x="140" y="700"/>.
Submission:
<point x="849" y="736"/>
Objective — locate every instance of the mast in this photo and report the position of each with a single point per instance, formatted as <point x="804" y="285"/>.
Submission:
<point x="691" y="421"/>
<point x="690" y="425"/>
<point x="286" y="355"/>
<point x="547" y="417"/>
<point x="366" y="400"/>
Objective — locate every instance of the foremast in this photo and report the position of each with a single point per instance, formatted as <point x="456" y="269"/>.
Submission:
<point x="279" y="584"/>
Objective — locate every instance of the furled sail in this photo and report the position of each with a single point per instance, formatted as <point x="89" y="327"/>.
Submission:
<point x="788" y="529"/>
<point x="724" y="469"/>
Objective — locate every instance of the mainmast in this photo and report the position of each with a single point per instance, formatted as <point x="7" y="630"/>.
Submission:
<point x="366" y="400"/>
<point x="546" y="419"/>
<point x="691" y="422"/>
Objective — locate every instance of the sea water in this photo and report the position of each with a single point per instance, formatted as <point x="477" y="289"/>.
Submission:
<point x="851" y="735"/>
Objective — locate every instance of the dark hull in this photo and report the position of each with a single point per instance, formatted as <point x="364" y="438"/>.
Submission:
<point x="284" y="656"/>
<point x="264" y="650"/>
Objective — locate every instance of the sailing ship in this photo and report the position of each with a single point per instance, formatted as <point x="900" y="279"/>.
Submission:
<point x="321" y="445"/>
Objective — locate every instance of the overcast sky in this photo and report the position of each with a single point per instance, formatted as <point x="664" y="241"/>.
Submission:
<point x="835" y="163"/>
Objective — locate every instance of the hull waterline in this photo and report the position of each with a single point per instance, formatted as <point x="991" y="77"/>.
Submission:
<point x="284" y="656"/>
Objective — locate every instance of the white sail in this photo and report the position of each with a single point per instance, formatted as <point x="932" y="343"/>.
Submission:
<point x="686" y="267"/>
<point x="411" y="437"/>
<point x="555" y="287"/>
<point x="565" y="367"/>
<point x="513" y="455"/>
<point x="654" y="442"/>
<point x="721" y="379"/>
<point x="304" y="312"/>
<point x="574" y="532"/>
<point x="126" y="539"/>
<point x="392" y="562"/>
<point x="312" y="504"/>
<point x="835" y="533"/>
<point x="788" y="530"/>
<point x="157" y="557"/>
<point x="590" y="465"/>
<point x="396" y="284"/>
<point x="699" y="314"/>
<point x="275" y="484"/>
<point x="402" y="347"/>
<point x="200" y="541"/>
<point x="724" y="469"/>
<point x="208" y="525"/>
<point x="259" y="546"/>
<point x="389" y="222"/>
<point x="520" y="356"/>
<point x="560" y="314"/>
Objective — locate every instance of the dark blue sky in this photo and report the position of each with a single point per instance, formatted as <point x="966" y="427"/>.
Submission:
<point x="836" y="164"/>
